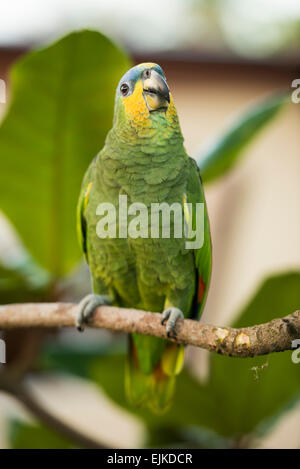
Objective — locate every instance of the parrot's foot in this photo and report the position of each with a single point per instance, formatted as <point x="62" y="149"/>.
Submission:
<point x="171" y="315"/>
<point x="87" y="307"/>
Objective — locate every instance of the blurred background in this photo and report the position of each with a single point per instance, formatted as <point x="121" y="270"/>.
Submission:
<point x="219" y="57"/>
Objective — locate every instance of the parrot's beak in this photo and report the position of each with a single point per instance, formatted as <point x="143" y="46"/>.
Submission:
<point x="156" y="92"/>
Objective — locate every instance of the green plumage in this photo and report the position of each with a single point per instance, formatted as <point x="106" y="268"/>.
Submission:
<point x="144" y="159"/>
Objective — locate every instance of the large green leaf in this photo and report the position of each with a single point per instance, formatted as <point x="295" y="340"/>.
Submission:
<point x="241" y="396"/>
<point x="61" y="110"/>
<point x="220" y="155"/>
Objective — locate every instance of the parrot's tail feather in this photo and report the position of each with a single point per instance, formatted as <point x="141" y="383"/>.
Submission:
<point x="156" y="388"/>
<point x="172" y="359"/>
<point x="137" y="384"/>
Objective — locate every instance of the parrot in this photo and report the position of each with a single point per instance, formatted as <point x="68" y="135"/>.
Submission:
<point x="144" y="159"/>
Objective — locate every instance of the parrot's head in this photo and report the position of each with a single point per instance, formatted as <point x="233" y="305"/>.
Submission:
<point x="143" y="96"/>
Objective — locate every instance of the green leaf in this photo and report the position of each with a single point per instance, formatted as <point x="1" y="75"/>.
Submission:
<point x="23" y="282"/>
<point x="28" y="436"/>
<point x="61" y="110"/>
<point x="78" y="357"/>
<point x="185" y="437"/>
<point x="278" y="296"/>
<point x="220" y="155"/>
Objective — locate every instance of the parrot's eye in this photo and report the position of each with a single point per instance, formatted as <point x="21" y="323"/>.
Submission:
<point x="124" y="88"/>
<point x="147" y="73"/>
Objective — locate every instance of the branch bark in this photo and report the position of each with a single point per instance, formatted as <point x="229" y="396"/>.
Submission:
<point x="274" y="336"/>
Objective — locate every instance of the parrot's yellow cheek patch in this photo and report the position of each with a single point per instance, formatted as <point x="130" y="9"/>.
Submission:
<point x="135" y="107"/>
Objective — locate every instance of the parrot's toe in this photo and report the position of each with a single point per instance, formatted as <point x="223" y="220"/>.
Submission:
<point x="171" y="315"/>
<point x="87" y="307"/>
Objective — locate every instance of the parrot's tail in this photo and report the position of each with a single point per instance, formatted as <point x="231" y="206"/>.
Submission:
<point x="150" y="376"/>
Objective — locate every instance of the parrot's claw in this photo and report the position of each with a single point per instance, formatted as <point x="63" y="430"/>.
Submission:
<point x="171" y="315"/>
<point x="87" y="307"/>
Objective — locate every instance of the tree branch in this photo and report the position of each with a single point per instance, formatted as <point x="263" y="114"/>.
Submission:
<point x="274" y="336"/>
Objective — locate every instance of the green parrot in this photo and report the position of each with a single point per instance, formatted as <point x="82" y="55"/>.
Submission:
<point x="145" y="160"/>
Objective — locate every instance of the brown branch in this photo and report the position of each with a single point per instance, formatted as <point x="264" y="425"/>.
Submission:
<point x="274" y="336"/>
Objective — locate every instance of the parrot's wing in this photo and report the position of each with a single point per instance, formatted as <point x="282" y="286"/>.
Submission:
<point x="203" y="255"/>
<point x="81" y="207"/>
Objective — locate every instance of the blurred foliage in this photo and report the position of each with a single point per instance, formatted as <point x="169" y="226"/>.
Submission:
<point x="22" y="283"/>
<point x="188" y="436"/>
<point x="220" y="155"/>
<point x="252" y="29"/>
<point x="23" y="435"/>
<point x="60" y="112"/>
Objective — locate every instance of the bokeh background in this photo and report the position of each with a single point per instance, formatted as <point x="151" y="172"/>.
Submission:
<point x="219" y="56"/>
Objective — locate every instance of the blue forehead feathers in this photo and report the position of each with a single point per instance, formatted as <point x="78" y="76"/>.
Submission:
<point x="132" y="76"/>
